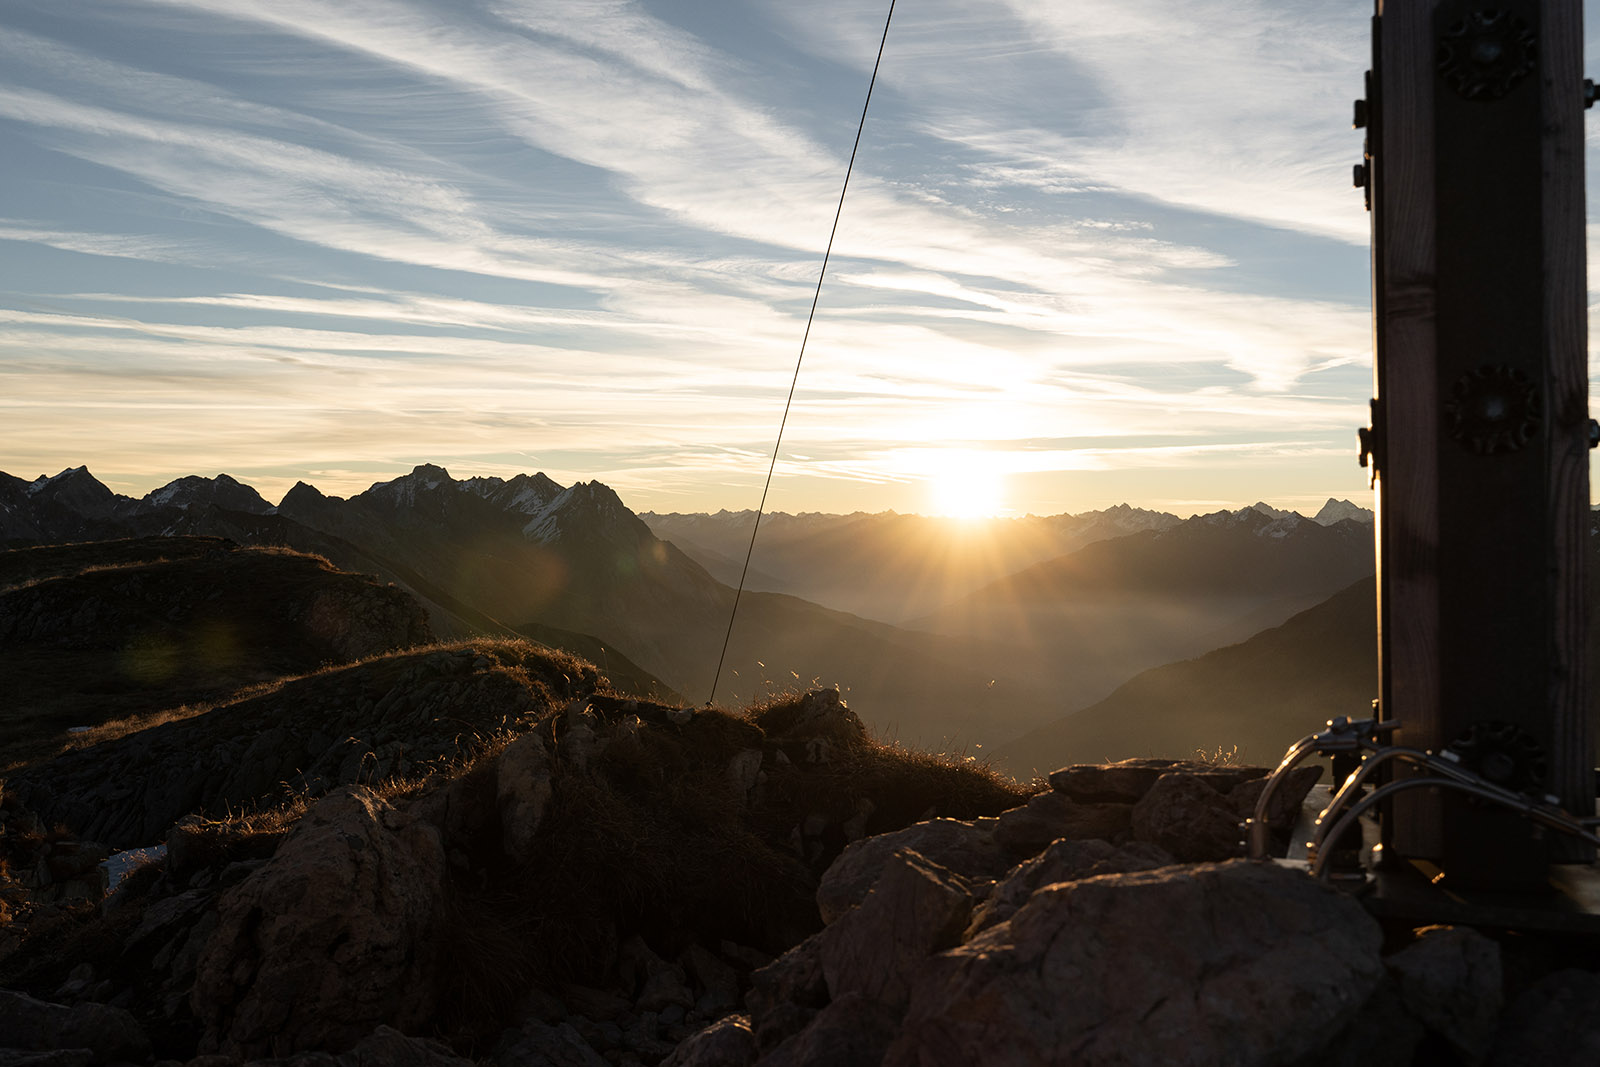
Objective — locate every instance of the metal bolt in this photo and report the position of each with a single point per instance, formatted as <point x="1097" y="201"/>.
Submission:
<point x="1589" y="93"/>
<point x="1360" y="119"/>
<point x="1594" y="434"/>
<point x="1358" y="175"/>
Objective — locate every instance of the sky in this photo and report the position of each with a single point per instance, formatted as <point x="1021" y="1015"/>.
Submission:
<point x="1092" y="252"/>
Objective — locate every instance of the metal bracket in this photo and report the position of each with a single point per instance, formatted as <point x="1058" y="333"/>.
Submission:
<point x="1483" y="55"/>
<point x="1370" y="439"/>
<point x="1441" y="770"/>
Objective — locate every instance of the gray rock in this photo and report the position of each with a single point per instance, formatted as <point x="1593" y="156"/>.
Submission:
<point x="109" y="1033"/>
<point x="1063" y="861"/>
<point x="853" y="1031"/>
<point x="1284" y="809"/>
<point x="522" y="791"/>
<point x="61" y="1057"/>
<point x="787" y="993"/>
<point x="916" y="909"/>
<point x="1232" y="963"/>
<point x="1552" y="1024"/>
<point x="384" y="1047"/>
<point x="962" y="847"/>
<point x="1449" y="980"/>
<point x="594" y="1003"/>
<point x="1381" y="1034"/>
<point x="718" y="982"/>
<point x="1028" y="830"/>
<point x="1128" y="781"/>
<point x="539" y="1045"/>
<point x="743" y="770"/>
<point x="655" y="983"/>
<point x="1184" y="815"/>
<point x="330" y="939"/>
<point x="728" y="1042"/>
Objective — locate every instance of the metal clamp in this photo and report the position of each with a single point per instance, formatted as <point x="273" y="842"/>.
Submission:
<point x="1441" y="770"/>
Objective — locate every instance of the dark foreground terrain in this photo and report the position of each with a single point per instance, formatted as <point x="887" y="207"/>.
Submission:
<point x="405" y="852"/>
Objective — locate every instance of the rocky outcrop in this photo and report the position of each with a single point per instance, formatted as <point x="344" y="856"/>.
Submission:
<point x="104" y="1033"/>
<point x="586" y="894"/>
<point x="1449" y="980"/>
<point x="967" y="848"/>
<point x="330" y="939"/>
<point x="1063" y="861"/>
<point x="877" y="948"/>
<point x="1216" y="963"/>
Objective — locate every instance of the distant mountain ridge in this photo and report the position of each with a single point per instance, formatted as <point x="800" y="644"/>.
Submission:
<point x="529" y="557"/>
<point x="887" y="566"/>
<point x="989" y="657"/>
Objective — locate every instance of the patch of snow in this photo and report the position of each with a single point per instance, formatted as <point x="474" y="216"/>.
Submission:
<point x="121" y="864"/>
<point x="79" y="729"/>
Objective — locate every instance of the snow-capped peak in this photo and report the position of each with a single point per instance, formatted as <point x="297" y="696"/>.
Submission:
<point x="1336" y="510"/>
<point x="404" y="489"/>
<point x="591" y="507"/>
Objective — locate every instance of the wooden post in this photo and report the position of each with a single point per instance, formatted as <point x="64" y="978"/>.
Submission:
<point x="1479" y="442"/>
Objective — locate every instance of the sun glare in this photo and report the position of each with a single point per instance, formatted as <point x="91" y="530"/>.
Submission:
<point x="966" y="485"/>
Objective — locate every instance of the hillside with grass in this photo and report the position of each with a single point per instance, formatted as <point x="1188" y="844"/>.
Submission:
<point x="97" y="632"/>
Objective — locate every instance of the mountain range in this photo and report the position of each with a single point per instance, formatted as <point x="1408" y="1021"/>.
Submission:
<point x="1021" y="621"/>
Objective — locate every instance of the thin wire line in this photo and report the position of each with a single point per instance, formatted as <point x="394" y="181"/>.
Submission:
<point x="823" y="273"/>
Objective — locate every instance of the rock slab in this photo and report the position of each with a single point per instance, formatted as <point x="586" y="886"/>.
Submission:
<point x="329" y="940"/>
<point x="1235" y="963"/>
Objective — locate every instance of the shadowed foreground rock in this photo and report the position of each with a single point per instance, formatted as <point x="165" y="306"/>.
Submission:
<point x="1220" y="963"/>
<point x="328" y="940"/>
<point x="533" y="910"/>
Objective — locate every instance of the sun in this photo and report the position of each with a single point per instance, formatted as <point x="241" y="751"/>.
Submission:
<point x="966" y="485"/>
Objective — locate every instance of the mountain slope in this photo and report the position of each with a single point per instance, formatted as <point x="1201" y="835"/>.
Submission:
<point x="580" y="561"/>
<point x="1261" y="695"/>
<point x="1117" y="607"/>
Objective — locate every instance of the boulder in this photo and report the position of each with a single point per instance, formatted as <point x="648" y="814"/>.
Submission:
<point x="1183" y="814"/>
<point x="717" y="981"/>
<point x="33" y="1025"/>
<point x="787" y="993"/>
<point x="1381" y="1034"/>
<point x="539" y="1045"/>
<point x="330" y="939"/>
<point x="522" y="791"/>
<point x="853" y="1031"/>
<point x="744" y="771"/>
<point x="61" y="1057"/>
<point x="1236" y="963"/>
<point x="876" y="949"/>
<point x="1284" y="810"/>
<point x="1063" y="861"/>
<point x="1553" y="1021"/>
<point x="385" y="1046"/>
<point x="1128" y="781"/>
<point x="1449" y="980"/>
<point x="1027" y="830"/>
<point x="962" y="847"/>
<point x="655" y="984"/>
<point x="728" y="1042"/>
